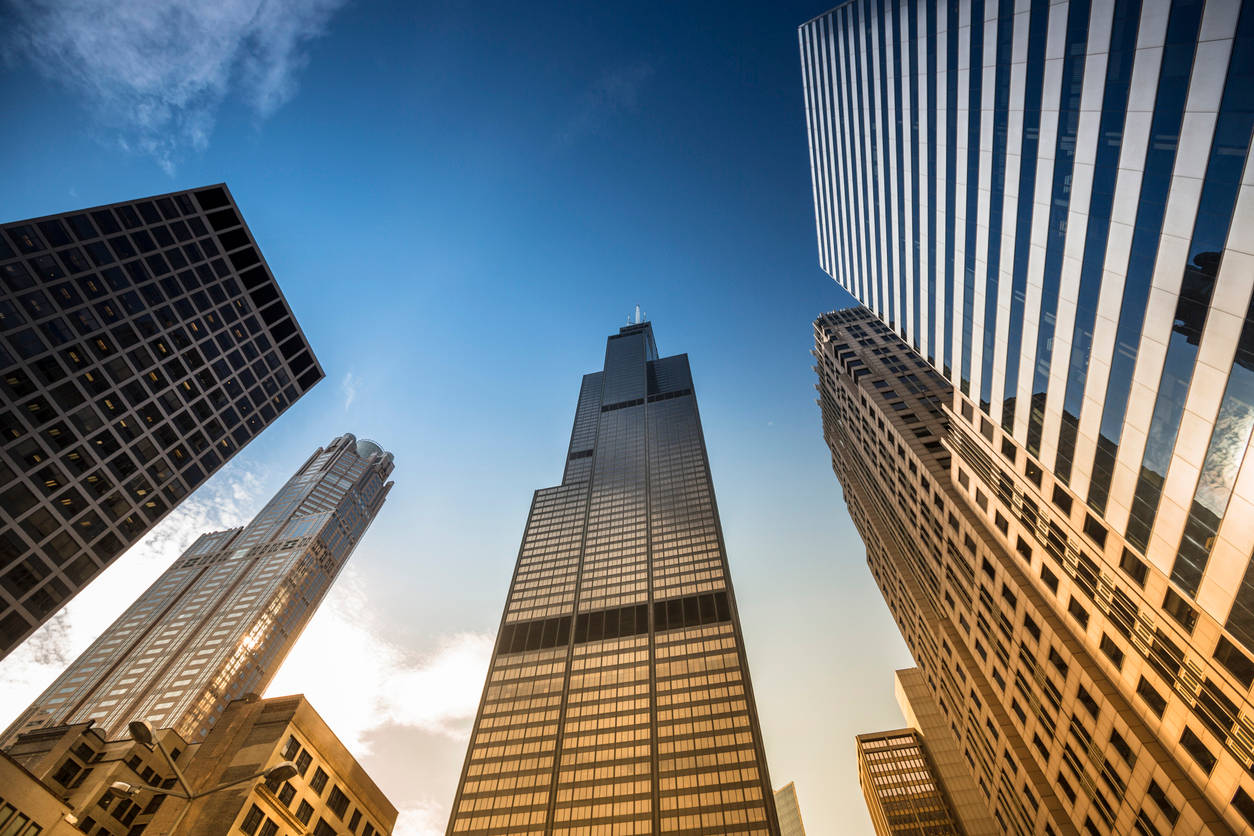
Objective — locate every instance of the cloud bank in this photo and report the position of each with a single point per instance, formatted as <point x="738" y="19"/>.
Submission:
<point x="157" y="71"/>
<point x="436" y="692"/>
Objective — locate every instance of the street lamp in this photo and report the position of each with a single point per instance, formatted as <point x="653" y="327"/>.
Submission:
<point x="142" y="733"/>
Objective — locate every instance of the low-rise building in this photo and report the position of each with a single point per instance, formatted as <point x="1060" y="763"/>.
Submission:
<point x="330" y="794"/>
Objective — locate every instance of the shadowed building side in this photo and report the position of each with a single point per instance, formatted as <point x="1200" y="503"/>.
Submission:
<point x="142" y="345"/>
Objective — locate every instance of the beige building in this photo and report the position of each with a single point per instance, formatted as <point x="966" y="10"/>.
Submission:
<point x="944" y="757"/>
<point x="59" y="780"/>
<point x="789" y="811"/>
<point x="1077" y="704"/>
<point x="27" y="807"/>
<point x="75" y="766"/>
<point x="331" y="793"/>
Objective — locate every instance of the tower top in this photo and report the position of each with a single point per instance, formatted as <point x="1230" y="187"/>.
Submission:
<point x="640" y="317"/>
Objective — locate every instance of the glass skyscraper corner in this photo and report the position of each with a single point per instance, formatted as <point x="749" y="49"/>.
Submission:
<point x="1052" y="204"/>
<point x="618" y="697"/>
<point x="219" y="622"/>
<point x="142" y="345"/>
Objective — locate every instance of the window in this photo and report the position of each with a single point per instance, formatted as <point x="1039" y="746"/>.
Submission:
<point x="1094" y="530"/>
<point x="286" y="793"/>
<point x="1121" y="746"/>
<point x="1133" y="567"/>
<point x="1197" y="750"/>
<point x="1065" y="786"/>
<point x="1030" y="626"/>
<point x="1062" y="500"/>
<point x="1008" y="449"/>
<point x="1236" y="662"/>
<point x="1024" y="549"/>
<point x="303" y="762"/>
<point x="1055" y="659"/>
<point x="338" y="802"/>
<point x="1159" y="797"/>
<point x="1151" y="696"/>
<point x="324" y="829"/>
<point x="1049" y="578"/>
<point x="1086" y="699"/>
<point x="291" y="749"/>
<point x="1112" y="651"/>
<point x="1077" y="611"/>
<point x="303" y="812"/>
<point x="268" y="829"/>
<point x="354" y="821"/>
<point x="252" y="819"/>
<point x="1032" y="471"/>
<point x="1243" y="804"/>
<point x="318" y="781"/>
<point x="1179" y="609"/>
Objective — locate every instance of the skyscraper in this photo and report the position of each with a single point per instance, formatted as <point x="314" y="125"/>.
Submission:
<point x="945" y="759"/>
<point x="1044" y="670"/>
<point x="901" y="790"/>
<point x="142" y="344"/>
<point x="1064" y="234"/>
<point x="618" y="697"/>
<point x="219" y="622"/>
<point x="789" y="811"/>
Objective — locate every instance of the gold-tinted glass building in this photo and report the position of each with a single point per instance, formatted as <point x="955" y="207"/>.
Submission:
<point x="219" y="622"/>
<point x="901" y="791"/>
<point x="618" y="698"/>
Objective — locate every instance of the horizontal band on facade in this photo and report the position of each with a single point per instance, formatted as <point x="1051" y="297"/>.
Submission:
<point x="618" y="622"/>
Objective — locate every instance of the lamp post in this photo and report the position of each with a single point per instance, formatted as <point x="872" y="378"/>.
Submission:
<point x="142" y="733"/>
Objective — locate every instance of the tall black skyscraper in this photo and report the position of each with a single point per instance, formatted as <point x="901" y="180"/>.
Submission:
<point x="142" y="344"/>
<point x="618" y="699"/>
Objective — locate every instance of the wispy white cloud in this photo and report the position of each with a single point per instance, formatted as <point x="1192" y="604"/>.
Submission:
<point x="613" y="93"/>
<point x="436" y="692"/>
<point x="157" y="71"/>
<point x="227" y="500"/>
<point x="349" y="386"/>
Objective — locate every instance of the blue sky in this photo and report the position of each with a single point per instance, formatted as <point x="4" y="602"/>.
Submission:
<point x="461" y="201"/>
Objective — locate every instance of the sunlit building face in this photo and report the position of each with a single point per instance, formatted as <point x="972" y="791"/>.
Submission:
<point x="218" y="623"/>
<point x="618" y="698"/>
<point x="1052" y="204"/>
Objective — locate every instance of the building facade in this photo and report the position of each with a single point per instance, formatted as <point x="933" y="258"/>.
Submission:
<point x="901" y="790"/>
<point x="59" y="778"/>
<point x="219" y="622"/>
<point x="966" y="805"/>
<point x="76" y="765"/>
<point x="1064" y="234"/>
<point x="142" y="344"/>
<point x="789" y="811"/>
<point x="1053" y="702"/>
<point x="330" y="794"/>
<point x="618" y="697"/>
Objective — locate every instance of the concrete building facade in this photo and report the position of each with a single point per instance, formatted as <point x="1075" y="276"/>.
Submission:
<point x="1060" y="725"/>
<point x="330" y="795"/>
<point x="142" y="345"/>
<point x="789" y="811"/>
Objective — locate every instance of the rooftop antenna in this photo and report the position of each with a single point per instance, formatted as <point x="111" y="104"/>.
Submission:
<point x="639" y="315"/>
